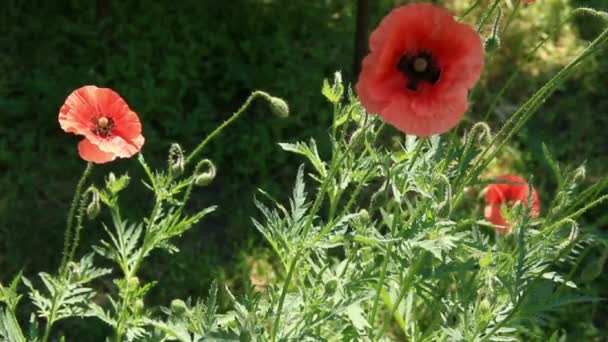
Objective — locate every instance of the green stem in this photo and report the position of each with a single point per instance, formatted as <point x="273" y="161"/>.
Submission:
<point x="469" y="10"/>
<point x="292" y="267"/>
<point x="529" y="108"/>
<point x="511" y="17"/>
<point x="79" y="225"/>
<point x="528" y="57"/>
<point x="226" y="123"/>
<point x="51" y="318"/>
<point x="487" y="14"/>
<point x="375" y="306"/>
<point x="407" y="282"/>
<point x="71" y="214"/>
<point x="336" y="161"/>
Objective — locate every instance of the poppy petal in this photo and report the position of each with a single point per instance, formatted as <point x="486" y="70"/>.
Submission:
<point x="91" y="152"/>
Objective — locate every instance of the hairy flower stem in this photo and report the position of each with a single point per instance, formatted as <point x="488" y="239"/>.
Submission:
<point x="71" y="215"/>
<point x="511" y="16"/>
<point x="487" y="15"/>
<point x="469" y="10"/>
<point x="226" y="123"/>
<point x="79" y="225"/>
<point x="528" y="57"/>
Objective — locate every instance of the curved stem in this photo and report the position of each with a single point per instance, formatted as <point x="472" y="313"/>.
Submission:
<point x="71" y="214"/>
<point x="226" y="123"/>
<point x="487" y="14"/>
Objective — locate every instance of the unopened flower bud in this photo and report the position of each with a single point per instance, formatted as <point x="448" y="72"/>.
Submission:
<point x="94" y="207"/>
<point x="279" y="107"/>
<point x="139" y="305"/>
<point x="133" y="283"/>
<point x="178" y="306"/>
<point x="364" y="216"/>
<point x="338" y="87"/>
<point x="176" y="159"/>
<point x="579" y="174"/>
<point x="492" y="43"/>
<point x="205" y="178"/>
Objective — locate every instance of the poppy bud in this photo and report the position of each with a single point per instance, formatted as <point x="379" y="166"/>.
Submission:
<point x="178" y="306"/>
<point x="205" y="178"/>
<point x="364" y="216"/>
<point x="139" y="305"/>
<point x="176" y="159"/>
<point x="93" y="208"/>
<point x="579" y="174"/>
<point x="492" y="43"/>
<point x="338" y="87"/>
<point x="279" y="107"/>
<point x="133" y="283"/>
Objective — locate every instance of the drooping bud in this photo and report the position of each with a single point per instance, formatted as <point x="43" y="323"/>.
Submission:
<point x="176" y="159"/>
<point x="492" y="43"/>
<point x="205" y="178"/>
<point x="279" y="107"/>
<point x="94" y="207"/>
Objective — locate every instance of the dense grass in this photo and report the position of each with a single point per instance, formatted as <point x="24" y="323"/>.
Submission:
<point x="184" y="67"/>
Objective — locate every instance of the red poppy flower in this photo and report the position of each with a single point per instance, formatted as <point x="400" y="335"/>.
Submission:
<point x="529" y="1"/>
<point x="419" y="71"/>
<point x="517" y="190"/>
<point x="111" y="129"/>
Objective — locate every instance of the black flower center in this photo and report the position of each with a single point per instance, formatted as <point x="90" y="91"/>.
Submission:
<point x="419" y="67"/>
<point x="103" y="126"/>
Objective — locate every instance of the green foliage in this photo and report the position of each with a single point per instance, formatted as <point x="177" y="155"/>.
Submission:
<point x="382" y="240"/>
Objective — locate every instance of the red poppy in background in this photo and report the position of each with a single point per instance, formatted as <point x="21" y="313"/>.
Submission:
<point x="529" y="1"/>
<point x="516" y="190"/>
<point x="419" y="71"/>
<point x="111" y="129"/>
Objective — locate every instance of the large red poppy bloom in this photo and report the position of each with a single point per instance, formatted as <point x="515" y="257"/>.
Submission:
<point x="516" y="190"/>
<point x="111" y="129"/>
<point x="419" y="71"/>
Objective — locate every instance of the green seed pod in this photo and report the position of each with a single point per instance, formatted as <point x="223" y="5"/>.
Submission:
<point x="205" y="178"/>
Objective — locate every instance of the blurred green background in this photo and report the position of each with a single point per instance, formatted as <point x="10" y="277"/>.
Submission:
<point x="185" y="66"/>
